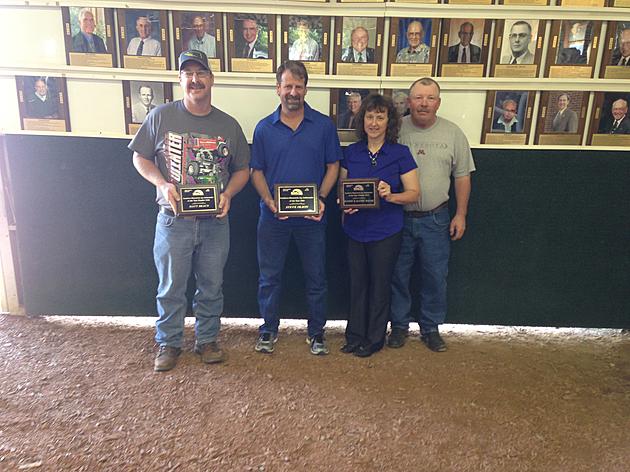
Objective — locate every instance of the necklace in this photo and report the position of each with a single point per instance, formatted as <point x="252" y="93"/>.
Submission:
<point x="373" y="157"/>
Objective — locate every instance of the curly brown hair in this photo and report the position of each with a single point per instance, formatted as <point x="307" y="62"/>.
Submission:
<point x="379" y="103"/>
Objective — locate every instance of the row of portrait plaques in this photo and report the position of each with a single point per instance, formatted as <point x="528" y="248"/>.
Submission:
<point x="416" y="47"/>
<point x="507" y="119"/>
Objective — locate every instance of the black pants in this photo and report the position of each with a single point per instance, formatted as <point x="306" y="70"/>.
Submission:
<point x="371" y="268"/>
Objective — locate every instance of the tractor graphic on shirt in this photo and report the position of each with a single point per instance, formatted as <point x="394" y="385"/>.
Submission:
<point x="207" y="159"/>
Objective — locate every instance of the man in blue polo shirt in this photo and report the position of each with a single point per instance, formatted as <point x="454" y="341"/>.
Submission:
<point x="295" y="144"/>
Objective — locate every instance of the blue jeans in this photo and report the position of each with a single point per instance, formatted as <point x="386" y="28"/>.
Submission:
<point x="182" y="246"/>
<point x="428" y="238"/>
<point x="273" y="243"/>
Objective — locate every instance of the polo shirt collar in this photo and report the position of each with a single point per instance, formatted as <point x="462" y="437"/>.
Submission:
<point x="384" y="148"/>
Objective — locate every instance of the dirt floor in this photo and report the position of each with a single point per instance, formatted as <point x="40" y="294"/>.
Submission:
<point x="78" y="395"/>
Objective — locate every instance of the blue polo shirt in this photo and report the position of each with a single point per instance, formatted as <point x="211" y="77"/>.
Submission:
<point x="300" y="156"/>
<point x="393" y="160"/>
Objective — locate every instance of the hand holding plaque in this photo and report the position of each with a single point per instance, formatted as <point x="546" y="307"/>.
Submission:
<point x="359" y="193"/>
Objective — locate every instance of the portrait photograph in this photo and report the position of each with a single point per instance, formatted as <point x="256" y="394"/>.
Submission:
<point x="508" y="117"/>
<point x="562" y="113"/>
<point x="613" y="113"/>
<point x="88" y="36"/>
<point x="143" y="38"/>
<point x="413" y="46"/>
<point x="202" y="31"/>
<point x="572" y="50"/>
<point x="141" y="97"/>
<point x="43" y="103"/>
<point x="306" y="39"/>
<point x="252" y="45"/>
<point x="359" y="45"/>
<point x="519" y="42"/>
<point x="616" y="60"/>
<point x="344" y="106"/>
<point x="464" y="47"/>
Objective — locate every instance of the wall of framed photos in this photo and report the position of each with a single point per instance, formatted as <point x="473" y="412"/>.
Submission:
<point x="473" y="92"/>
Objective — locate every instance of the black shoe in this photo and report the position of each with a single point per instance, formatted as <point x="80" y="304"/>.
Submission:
<point x="434" y="341"/>
<point x="349" y="348"/>
<point x="397" y="338"/>
<point x="363" y="351"/>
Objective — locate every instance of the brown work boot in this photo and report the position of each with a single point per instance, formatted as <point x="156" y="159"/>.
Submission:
<point x="210" y="352"/>
<point x="166" y="358"/>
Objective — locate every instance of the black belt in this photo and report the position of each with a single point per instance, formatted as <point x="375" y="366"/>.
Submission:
<point x="169" y="212"/>
<point x="422" y="214"/>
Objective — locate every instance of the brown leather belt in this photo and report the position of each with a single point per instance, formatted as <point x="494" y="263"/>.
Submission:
<point x="170" y="213"/>
<point x="422" y="214"/>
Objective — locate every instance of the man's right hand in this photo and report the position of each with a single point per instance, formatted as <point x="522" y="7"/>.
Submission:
<point x="170" y="193"/>
<point x="271" y="204"/>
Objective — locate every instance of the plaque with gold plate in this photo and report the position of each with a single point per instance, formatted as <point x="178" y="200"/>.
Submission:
<point x="43" y="103"/>
<point x="518" y="48"/>
<point x="251" y="42"/>
<point x="143" y="39"/>
<point x="464" y="47"/>
<point x="307" y="39"/>
<point x="202" y="31"/>
<point x="89" y="36"/>
<point x="344" y="106"/>
<point x="572" y="49"/>
<point x="296" y="199"/>
<point x="358" y="45"/>
<point x="561" y="118"/>
<point x="140" y="98"/>
<point x="359" y="193"/>
<point x="193" y="166"/>
<point x="610" y="125"/>
<point x="508" y="117"/>
<point x="616" y="59"/>
<point x="413" y="45"/>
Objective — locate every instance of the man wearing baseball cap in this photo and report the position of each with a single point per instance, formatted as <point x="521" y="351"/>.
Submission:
<point x="190" y="243"/>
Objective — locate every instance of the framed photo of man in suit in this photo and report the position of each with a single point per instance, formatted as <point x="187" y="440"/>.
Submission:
<point x="400" y="97"/>
<point x="413" y="46"/>
<point x="43" y="103"/>
<point x="561" y="117"/>
<point x="611" y="122"/>
<point x="89" y="36"/>
<point x="464" y="48"/>
<point x="616" y="60"/>
<point x="307" y="39"/>
<point x="143" y="39"/>
<point x="518" y="48"/>
<point x="573" y="48"/>
<point x="202" y="31"/>
<point x="508" y="117"/>
<point x="251" y="42"/>
<point x="358" y="45"/>
<point x="344" y="106"/>
<point x="141" y="97"/>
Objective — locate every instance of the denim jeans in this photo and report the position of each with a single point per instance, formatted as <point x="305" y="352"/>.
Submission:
<point x="183" y="245"/>
<point x="428" y="238"/>
<point x="273" y="243"/>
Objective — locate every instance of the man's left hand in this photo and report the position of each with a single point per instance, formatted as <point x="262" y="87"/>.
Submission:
<point x="224" y="205"/>
<point x="322" y="206"/>
<point x="458" y="227"/>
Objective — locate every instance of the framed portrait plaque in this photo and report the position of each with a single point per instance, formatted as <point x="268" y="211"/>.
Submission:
<point x="611" y="124"/>
<point x="400" y="97"/>
<point x="143" y="39"/>
<point x="518" y="48"/>
<point x="358" y="45"/>
<point x="573" y="47"/>
<point x="251" y="42"/>
<point x="508" y="117"/>
<point x="413" y="47"/>
<point x="307" y="39"/>
<point x="344" y="105"/>
<point x="561" y="117"/>
<point x="464" y="48"/>
<point x="43" y="103"/>
<point x="89" y="36"/>
<point x="616" y="59"/>
<point x="200" y="30"/>
<point x="140" y="98"/>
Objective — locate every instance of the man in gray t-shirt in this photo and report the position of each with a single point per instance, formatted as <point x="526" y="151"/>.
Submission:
<point x="220" y="155"/>
<point x="441" y="151"/>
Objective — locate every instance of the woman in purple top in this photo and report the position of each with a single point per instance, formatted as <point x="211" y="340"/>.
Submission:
<point x="374" y="235"/>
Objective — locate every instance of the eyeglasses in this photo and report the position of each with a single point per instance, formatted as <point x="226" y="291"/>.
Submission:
<point x="201" y="74"/>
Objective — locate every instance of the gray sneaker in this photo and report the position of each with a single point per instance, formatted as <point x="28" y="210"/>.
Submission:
<point x="166" y="358"/>
<point x="210" y="352"/>
<point x="318" y="345"/>
<point x="265" y="343"/>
